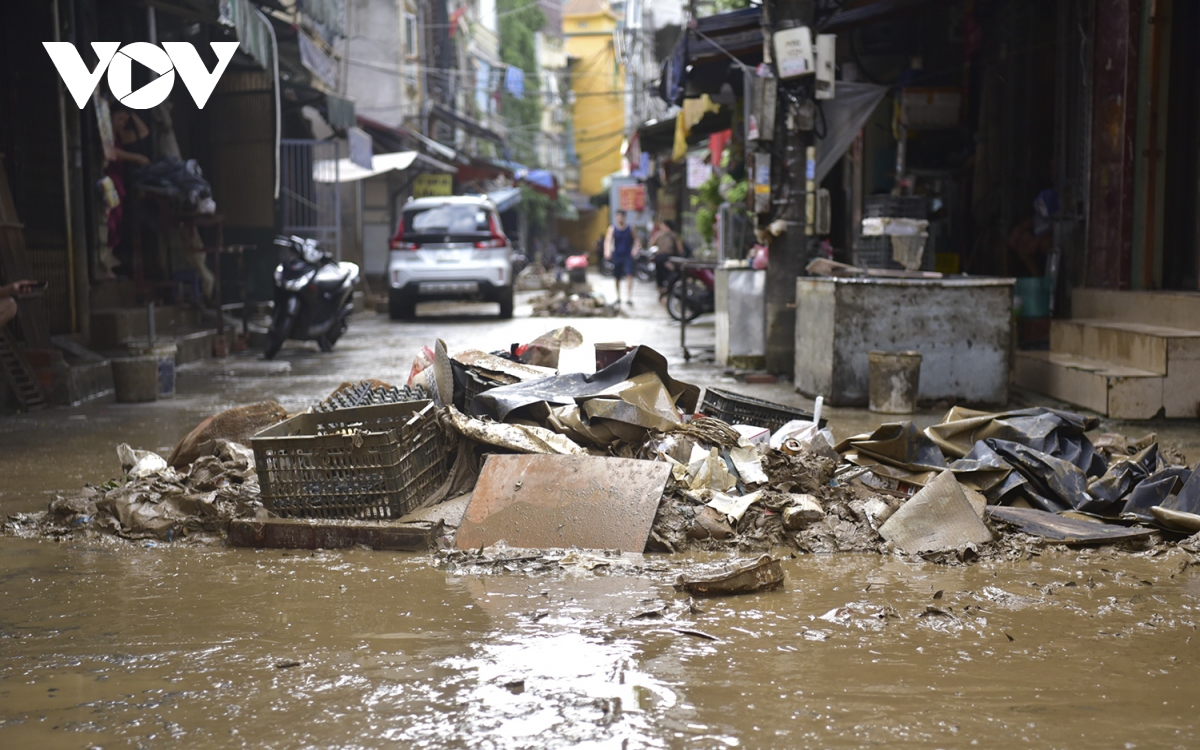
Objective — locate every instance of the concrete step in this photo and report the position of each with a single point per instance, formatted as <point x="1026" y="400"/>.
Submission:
<point x="1156" y="308"/>
<point x="1106" y="388"/>
<point x="1137" y="345"/>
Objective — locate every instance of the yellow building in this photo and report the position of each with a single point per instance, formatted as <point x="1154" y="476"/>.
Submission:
<point x="598" y="115"/>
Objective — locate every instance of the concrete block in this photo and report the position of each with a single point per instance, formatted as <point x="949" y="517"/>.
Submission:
<point x="1134" y="397"/>
<point x="1181" y="389"/>
<point x="1039" y="373"/>
<point x="1157" y="308"/>
<point x="961" y="326"/>
<point x="1110" y="341"/>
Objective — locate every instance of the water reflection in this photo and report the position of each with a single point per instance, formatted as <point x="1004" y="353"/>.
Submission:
<point x="117" y="644"/>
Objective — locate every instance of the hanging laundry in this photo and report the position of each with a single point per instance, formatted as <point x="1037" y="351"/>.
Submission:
<point x="514" y="82"/>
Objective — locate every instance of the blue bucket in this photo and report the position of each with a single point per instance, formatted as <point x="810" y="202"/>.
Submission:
<point x="1031" y="297"/>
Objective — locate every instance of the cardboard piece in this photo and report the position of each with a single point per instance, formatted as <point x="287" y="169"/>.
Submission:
<point x="542" y="501"/>
<point x="937" y="519"/>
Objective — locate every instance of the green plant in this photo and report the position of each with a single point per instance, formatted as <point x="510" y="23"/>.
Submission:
<point x="716" y="190"/>
<point x="519" y="21"/>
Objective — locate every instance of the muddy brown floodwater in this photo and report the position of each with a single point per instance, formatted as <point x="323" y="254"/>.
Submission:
<point x="154" y="646"/>
<point x="116" y="644"/>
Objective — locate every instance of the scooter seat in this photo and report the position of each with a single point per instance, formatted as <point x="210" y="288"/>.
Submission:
<point x="332" y="277"/>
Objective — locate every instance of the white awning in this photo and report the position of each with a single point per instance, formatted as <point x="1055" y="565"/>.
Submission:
<point x="344" y="170"/>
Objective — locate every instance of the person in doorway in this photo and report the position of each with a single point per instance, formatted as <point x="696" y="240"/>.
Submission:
<point x="621" y="246"/>
<point x="667" y="244"/>
<point x="8" y="301"/>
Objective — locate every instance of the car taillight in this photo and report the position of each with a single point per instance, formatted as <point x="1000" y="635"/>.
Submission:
<point x="397" y="243"/>
<point x="497" y="238"/>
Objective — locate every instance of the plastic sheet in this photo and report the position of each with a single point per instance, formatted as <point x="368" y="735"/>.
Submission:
<point x="635" y="391"/>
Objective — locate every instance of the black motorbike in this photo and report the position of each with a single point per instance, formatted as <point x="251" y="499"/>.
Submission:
<point x="313" y="296"/>
<point x="643" y="264"/>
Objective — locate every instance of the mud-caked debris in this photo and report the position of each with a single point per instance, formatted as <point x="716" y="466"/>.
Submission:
<point x="803" y="472"/>
<point x="155" y="501"/>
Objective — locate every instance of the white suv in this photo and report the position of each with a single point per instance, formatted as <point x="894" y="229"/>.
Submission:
<point x="449" y="248"/>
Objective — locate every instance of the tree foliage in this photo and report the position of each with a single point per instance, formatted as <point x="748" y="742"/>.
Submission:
<point x="520" y="20"/>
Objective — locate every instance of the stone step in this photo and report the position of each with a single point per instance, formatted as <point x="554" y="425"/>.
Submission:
<point x="1106" y="388"/>
<point x="1156" y="308"/>
<point x="1138" y="345"/>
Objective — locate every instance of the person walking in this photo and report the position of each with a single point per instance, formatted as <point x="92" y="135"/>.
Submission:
<point x="668" y="246"/>
<point x="621" y="246"/>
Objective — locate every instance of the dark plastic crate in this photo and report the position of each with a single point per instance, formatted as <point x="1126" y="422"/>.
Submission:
<point x="368" y="462"/>
<point x="896" y="206"/>
<point x="876" y="252"/>
<point x="735" y="408"/>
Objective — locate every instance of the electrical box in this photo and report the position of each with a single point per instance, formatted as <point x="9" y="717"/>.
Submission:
<point x="794" y="52"/>
<point x="826" y="65"/>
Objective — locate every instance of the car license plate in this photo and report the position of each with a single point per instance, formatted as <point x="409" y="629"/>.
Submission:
<point x="447" y="256"/>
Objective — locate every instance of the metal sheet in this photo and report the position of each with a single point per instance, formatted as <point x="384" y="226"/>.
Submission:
<point x="592" y="502"/>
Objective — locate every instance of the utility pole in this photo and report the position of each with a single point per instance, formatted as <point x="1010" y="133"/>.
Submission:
<point x="791" y="249"/>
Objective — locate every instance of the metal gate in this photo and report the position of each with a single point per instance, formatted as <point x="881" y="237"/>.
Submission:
<point x="309" y="192"/>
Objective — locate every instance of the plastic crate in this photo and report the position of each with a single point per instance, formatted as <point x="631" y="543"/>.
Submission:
<point x="876" y="252"/>
<point x="368" y="462"/>
<point x="370" y="393"/>
<point x="896" y="206"/>
<point x="735" y="408"/>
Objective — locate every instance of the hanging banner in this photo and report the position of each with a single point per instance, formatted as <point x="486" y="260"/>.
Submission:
<point x="631" y="198"/>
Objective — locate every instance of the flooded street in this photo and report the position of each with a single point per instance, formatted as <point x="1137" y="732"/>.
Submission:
<point x="118" y="644"/>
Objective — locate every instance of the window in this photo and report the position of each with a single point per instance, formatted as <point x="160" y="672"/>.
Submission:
<point x="449" y="219"/>
<point x="410" y="35"/>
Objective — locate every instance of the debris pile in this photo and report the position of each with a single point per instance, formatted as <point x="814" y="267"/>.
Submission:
<point x="156" y="501"/>
<point x="573" y="305"/>
<point x="625" y="459"/>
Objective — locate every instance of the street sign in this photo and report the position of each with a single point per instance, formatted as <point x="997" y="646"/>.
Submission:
<point x="429" y="185"/>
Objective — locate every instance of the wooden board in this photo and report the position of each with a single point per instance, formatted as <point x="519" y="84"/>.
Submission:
<point x="303" y="533"/>
<point x="541" y="501"/>
<point x="1056" y="528"/>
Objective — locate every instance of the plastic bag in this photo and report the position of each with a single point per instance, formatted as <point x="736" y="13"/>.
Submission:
<point x="421" y="362"/>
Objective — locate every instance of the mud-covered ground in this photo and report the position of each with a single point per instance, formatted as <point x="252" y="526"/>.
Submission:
<point x="116" y="643"/>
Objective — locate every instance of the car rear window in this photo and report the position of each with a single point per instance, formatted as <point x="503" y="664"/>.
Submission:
<point x="449" y="219"/>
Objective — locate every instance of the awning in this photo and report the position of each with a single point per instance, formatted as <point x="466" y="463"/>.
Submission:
<point x="344" y="170"/>
<point x="506" y="199"/>
<point x="441" y="112"/>
<point x="874" y="12"/>
<point x="541" y="180"/>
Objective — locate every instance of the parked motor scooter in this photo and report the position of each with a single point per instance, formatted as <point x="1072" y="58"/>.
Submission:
<point x="691" y="293"/>
<point x="643" y="264"/>
<point x="313" y="296"/>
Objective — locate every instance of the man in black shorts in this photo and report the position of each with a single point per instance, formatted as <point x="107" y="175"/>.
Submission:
<point x="621" y="246"/>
